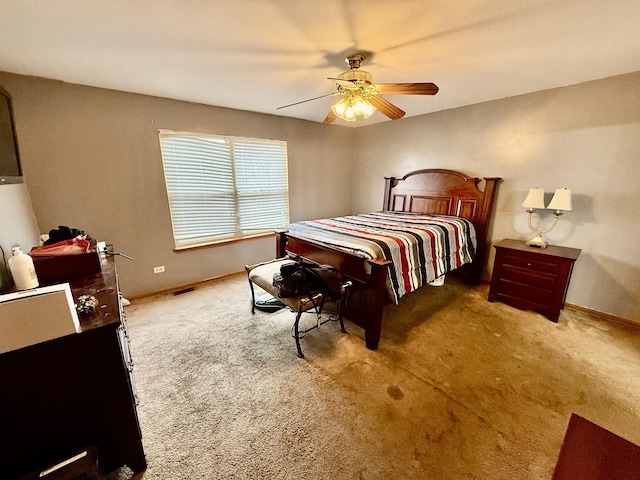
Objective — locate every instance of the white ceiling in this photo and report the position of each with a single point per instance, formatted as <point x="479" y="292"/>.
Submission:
<point x="258" y="55"/>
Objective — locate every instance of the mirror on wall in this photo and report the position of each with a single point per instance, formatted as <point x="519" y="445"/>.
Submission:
<point x="10" y="171"/>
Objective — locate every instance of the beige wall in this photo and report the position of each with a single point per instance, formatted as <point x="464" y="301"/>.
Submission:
<point x="18" y="227"/>
<point x="585" y="137"/>
<point x="91" y="160"/>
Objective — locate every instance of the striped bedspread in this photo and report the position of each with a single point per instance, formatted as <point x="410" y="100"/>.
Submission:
<point x="420" y="247"/>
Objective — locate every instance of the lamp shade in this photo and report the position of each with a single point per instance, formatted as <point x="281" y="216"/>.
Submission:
<point x="561" y="200"/>
<point x="535" y="198"/>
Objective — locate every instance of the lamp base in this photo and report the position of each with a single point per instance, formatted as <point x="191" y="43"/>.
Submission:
<point x="537" y="241"/>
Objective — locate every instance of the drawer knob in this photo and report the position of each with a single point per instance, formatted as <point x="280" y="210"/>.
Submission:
<point x="528" y="264"/>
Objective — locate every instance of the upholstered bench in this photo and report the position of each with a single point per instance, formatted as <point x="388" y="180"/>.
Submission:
<point x="261" y="274"/>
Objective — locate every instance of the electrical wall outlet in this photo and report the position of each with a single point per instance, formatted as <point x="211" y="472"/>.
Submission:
<point x="159" y="269"/>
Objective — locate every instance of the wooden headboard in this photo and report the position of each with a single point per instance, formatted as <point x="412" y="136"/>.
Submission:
<point x="445" y="192"/>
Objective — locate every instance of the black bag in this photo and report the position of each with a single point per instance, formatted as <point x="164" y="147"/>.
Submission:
<point x="64" y="233"/>
<point x="306" y="278"/>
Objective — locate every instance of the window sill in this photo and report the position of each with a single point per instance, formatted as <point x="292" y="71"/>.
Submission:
<point x="227" y="241"/>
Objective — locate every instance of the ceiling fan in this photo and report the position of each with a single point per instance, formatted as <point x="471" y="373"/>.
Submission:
<point x="360" y="96"/>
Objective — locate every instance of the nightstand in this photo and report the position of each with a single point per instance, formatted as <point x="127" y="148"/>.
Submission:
<point x="531" y="278"/>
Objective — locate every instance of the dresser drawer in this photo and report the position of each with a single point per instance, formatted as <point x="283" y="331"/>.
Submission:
<point x="531" y="263"/>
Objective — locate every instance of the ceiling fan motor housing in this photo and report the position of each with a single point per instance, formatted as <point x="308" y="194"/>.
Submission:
<point x="358" y="75"/>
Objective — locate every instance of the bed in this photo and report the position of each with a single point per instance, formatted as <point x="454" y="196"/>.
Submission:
<point x="449" y="199"/>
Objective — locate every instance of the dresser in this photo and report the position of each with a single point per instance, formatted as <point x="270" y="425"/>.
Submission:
<point x="532" y="278"/>
<point x="64" y="395"/>
<point x="591" y="452"/>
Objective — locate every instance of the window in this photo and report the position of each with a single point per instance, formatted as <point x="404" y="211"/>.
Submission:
<point x="222" y="188"/>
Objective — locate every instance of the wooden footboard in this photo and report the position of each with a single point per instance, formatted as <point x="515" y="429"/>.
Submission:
<point x="367" y="297"/>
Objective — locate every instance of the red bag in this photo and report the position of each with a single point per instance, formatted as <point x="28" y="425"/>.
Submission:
<point x="76" y="246"/>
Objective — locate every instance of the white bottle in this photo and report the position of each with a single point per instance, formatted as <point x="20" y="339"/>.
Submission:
<point x="22" y="270"/>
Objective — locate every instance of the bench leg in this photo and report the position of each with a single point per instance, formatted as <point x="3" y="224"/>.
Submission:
<point x="343" y="300"/>
<point x="253" y="295"/>
<point x="340" y="309"/>
<point x="296" y="333"/>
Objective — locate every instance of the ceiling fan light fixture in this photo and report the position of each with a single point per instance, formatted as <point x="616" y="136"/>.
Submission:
<point x="351" y="105"/>
<point x="368" y="109"/>
<point x="349" y="115"/>
<point x="339" y="108"/>
<point x="358" y="105"/>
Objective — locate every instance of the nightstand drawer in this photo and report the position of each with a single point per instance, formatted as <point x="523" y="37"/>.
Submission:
<point x="528" y="277"/>
<point x="526" y="261"/>
<point x="525" y="293"/>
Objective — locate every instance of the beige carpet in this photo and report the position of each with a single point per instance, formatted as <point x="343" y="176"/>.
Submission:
<point x="459" y="388"/>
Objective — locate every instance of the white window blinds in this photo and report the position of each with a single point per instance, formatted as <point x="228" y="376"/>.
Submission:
<point x="222" y="188"/>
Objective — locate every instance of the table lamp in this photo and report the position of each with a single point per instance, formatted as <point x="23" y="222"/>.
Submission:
<point x="561" y="202"/>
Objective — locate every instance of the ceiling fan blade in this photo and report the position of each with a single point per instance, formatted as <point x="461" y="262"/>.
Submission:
<point x="309" y="100"/>
<point x="330" y="117"/>
<point x="389" y="109"/>
<point x="342" y="81"/>
<point x="407" y="88"/>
